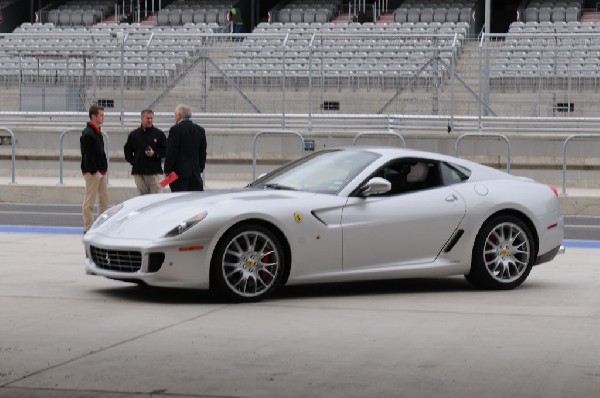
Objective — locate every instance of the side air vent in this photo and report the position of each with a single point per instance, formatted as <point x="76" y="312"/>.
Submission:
<point x="452" y="242"/>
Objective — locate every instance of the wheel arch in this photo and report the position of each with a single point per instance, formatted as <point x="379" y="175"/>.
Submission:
<point x="523" y="217"/>
<point x="273" y="228"/>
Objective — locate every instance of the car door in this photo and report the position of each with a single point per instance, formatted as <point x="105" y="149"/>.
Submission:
<point x="399" y="229"/>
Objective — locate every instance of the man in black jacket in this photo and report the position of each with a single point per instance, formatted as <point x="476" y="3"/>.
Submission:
<point x="94" y="165"/>
<point x="145" y="148"/>
<point x="186" y="152"/>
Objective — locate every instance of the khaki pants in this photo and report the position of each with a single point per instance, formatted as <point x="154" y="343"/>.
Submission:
<point x="148" y="183"/>
<point x="95" y="186"/>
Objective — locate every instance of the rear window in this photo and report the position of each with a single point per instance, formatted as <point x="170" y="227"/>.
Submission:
<point x="453" y="173"/>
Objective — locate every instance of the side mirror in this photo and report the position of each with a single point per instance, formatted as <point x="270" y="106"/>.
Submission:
<point x="375" y="186"/>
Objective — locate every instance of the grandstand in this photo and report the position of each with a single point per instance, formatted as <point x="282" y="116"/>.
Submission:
<point x="311" y="56"/>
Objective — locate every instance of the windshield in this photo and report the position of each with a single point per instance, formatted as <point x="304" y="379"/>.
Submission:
<point x="324" y="172"/>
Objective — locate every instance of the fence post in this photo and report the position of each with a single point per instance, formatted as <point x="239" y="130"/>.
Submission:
<point x="564" y="165"/>
<point x="460" y="138"/>
<point x="393" y="133"/>
<point x="273" y="132"/>
<point x="13" y="142"/>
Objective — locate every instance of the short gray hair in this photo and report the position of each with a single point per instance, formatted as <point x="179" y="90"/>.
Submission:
<point x="184" y="111"/>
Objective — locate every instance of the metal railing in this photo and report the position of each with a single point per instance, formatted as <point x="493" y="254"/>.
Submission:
<point x="379" y="133"/>
<point x="564" y="164"/>
<point x="273" y="132"/>
<point x="13" y="143"/>
<point x="485" y="135"/>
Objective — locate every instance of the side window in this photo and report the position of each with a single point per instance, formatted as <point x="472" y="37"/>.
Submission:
<point x="409" y="175"/>
<point x="453" y="173"/>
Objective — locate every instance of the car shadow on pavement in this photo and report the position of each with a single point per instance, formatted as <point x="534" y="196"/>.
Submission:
<point x="369" y="288"/>
<point x="158" y="295"/>
<point x="379" y="287"/>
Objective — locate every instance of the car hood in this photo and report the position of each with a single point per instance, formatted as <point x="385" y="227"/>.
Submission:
<point x="152" y="216"/>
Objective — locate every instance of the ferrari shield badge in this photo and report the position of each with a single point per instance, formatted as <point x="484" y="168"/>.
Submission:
<point x="298" y="217"/>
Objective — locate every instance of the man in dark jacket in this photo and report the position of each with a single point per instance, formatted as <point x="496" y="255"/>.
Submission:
<point x="145" y="148"/>
<point x="186" y="152"/>
<point x="94" y="165"/>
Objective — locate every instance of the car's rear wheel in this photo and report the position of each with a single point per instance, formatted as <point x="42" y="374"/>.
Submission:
<point x="248" y="264"/>
<point x="503" y="254"/>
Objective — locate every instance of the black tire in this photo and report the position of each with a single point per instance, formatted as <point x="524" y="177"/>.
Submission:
<point x="248" y="264"/>
<point x="503" y="254"/>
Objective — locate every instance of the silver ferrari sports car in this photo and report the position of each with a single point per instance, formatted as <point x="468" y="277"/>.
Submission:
<point x="336" y="215"/>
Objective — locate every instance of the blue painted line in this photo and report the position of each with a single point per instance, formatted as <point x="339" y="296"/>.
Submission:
<point x="582" y="244"/>
<point x="26" y="229"/>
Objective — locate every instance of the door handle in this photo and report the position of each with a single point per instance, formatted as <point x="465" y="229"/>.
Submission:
<point x="451" y="198"/>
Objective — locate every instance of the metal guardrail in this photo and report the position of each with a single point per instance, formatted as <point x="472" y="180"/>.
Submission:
<point x="564" y="165"/>
<point x="486" y="135"/>
<point x="273" y="132"/>
<point x="61" y="145"/>
<point x="13" y="143"/>
<point x="323" y="123"/>
<point x="379" y="133"/>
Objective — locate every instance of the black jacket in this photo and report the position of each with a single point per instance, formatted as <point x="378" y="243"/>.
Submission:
<point x="135" y="148"/>
<point x="93" y="157"/>
<point x="186" y="149"/>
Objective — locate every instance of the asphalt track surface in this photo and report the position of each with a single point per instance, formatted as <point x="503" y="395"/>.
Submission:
<point x="66" y="334"/>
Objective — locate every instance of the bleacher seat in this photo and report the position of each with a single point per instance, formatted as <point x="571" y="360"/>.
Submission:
<point x="163" y="17"/>
<point x="572" y="14"/>
<point x="296" y="15"/>
<point x="199" y="16"/>
<point x="322" y="15"/>
<point x="65" y="17"/>
<point x="400" y="15"/>
<point x="427" y="15"/>
<point x="309" y="15"/>
<point x="175" y="16"/>
<point x="89" y="18"/>
<point x="187" y="16"/>
<point x="453" y="14"/>
<point x="414" y="15"/>
<point x="465" y="14"/>
<point x="439" y="14"/>
<point x="212" y="15"/>
<point x="545" y="14"/>
<point x="284" y="15"/>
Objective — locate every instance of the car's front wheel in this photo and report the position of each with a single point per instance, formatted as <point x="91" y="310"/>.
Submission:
<point x="248" y="264"/>
<point x="503" y="254"/>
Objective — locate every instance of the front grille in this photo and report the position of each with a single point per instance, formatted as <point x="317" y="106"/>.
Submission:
<point x="116" y="260"/>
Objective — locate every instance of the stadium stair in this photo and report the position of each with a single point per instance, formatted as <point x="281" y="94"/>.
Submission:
<point x="386" y="18"/>
<point x="111" y="19"/>
<point x="590" y="16"/>
<point x="342" y="18"/>
<point x="150" y="21"/>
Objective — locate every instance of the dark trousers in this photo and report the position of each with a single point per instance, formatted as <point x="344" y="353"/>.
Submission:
<point x="187" y="183"/>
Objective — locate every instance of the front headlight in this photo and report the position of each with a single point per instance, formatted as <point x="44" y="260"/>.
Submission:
<point x="187" y="224"/>
<point x="106" y="215"/>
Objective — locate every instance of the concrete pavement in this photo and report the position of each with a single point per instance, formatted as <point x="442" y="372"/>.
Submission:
<point x="66" y="334"/>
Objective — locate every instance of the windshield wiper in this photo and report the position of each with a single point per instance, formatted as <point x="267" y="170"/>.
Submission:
<point x="279" y="186"/>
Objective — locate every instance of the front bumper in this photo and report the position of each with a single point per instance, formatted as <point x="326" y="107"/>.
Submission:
<point x="179" y="269"/>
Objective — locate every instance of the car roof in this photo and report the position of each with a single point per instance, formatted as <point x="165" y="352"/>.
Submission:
<point x="391" y="152"/>
<point x="479" y="170"/>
